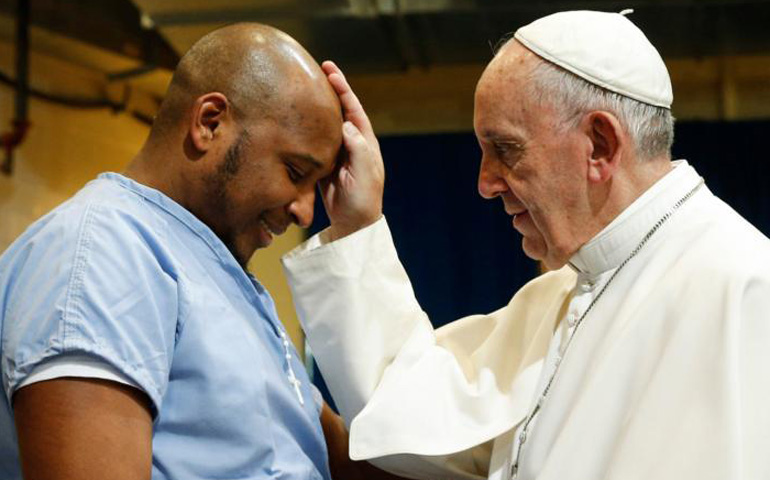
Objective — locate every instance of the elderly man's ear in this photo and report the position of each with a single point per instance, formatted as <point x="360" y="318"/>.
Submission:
<point x="608" y="142"/>
<point x="209" y="113"/>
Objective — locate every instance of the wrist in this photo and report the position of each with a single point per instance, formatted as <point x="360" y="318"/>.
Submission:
<point x="338" y="230"/>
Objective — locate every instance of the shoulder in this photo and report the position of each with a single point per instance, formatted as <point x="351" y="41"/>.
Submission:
<point x="102" y="218"/>
<point x="100" y="245"/>
<point x="92" y="277"/>
<point x="710" y="252"/>
<point x="107" y="206"/>
<point x="722" y="243"/>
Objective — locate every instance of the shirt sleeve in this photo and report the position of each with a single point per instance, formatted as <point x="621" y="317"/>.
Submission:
<point x="96" y="282"/>
<point x="77" y="366"/>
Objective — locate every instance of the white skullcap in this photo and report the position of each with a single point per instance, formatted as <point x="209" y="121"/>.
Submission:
<point x="605" y="49"/>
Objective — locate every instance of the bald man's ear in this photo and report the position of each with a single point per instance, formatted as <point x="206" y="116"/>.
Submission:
<point x="208" y="114"/>
<point x="608" y="141"/>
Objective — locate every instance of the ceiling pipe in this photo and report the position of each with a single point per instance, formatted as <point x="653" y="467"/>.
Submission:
<point x="20" y="124"/>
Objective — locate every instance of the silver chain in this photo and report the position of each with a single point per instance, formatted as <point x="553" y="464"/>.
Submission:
<point x="525" y="427"/>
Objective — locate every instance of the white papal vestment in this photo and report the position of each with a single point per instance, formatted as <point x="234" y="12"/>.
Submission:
<point x="667" y="377"/>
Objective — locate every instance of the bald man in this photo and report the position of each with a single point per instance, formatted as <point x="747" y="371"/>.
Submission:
<point x="135" y="344"/>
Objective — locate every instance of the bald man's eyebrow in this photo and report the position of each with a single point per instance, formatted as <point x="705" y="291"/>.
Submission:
<point x="317" y="164"/>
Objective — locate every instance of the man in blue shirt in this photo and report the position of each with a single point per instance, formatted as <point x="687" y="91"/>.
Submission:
<point x="134" y="342"/>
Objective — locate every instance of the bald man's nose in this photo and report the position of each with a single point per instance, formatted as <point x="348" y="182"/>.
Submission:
<point x="301" y="209"/>
<point x="490" y="183"/>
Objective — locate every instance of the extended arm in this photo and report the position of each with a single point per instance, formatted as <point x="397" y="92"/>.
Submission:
<point x="417" y="400"/>
<point x="72" y="428"/>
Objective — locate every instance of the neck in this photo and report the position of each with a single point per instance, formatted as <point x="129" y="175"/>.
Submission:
<point x="637" y="180"/>
<point x="156" y="167"/>
<point x="611" y="198"/>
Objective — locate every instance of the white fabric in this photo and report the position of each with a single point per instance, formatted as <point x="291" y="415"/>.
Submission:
<point x="78" y="366"/>
<point x="606" y="49"/>
<point x="666" y="378"/>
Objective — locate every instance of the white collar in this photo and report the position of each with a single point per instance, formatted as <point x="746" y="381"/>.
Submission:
<point x="616" y="241"/>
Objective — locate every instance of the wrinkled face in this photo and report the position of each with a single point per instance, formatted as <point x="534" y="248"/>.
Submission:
<point x="534" y="163"/>
<point x="267" y="178"/>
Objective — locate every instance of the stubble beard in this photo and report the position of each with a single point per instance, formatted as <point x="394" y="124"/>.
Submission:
<point x="218" y="186"/>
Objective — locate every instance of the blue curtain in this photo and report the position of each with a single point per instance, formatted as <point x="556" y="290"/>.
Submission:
<point x="461" y="251"/>
<point x="733" y="158"/>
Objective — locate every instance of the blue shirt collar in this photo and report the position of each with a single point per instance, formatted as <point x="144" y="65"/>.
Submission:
<point x="248" y="281"/>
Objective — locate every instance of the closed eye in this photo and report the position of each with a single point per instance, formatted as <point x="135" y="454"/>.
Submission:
<point x="300" y="166"/>
<point x="295" y="174"/>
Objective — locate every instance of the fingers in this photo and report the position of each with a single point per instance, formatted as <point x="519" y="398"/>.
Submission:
<point x="351" y="106"/>
<point x="355" y="144"/>
<point x="352" y="136"/>
<point x="330" y="67"/>
<point x="363" y="158"/>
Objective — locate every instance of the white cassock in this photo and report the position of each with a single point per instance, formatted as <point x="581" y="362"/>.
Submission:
<point x="667" y="377"/>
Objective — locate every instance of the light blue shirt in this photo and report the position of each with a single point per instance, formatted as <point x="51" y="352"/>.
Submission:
<point x="128" y="277"/>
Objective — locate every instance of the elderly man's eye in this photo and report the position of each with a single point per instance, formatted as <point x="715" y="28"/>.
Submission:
<point x="506" y="148"/>
<point x="502" y="148"/>
<point x="508" y="152"/>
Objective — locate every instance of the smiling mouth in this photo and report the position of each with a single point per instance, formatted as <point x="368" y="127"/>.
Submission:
<point x="272" y="230"/>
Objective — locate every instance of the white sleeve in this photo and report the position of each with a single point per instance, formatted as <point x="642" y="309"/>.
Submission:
<point x="366" y="347"/>
<point x="418" y="399"/>
<point x="79" y="366"/>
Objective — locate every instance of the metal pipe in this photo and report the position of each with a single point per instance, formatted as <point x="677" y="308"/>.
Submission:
<point x="22" y="59"/>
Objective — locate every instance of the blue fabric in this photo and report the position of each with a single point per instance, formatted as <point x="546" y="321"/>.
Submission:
<point x="125" y="275"/>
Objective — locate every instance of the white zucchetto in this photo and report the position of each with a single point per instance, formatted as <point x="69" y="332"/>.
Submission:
<point x="605" y="49"/>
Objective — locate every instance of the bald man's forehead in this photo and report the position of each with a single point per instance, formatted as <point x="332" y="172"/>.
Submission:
<point x="286" y="50"/>
<point x="296" y="54"/>
<point x="313" y="98"/>
<point x="307" y="64"/>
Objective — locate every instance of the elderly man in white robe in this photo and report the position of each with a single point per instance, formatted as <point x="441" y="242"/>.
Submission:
<point x="643" y="354"/>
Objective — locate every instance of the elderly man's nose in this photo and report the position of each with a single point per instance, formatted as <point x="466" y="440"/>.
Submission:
<point x="490" y="184"/>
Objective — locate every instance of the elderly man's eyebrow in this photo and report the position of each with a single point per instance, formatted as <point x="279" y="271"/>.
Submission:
<point x="510" y="140"/>
<point x="497" y="136"/>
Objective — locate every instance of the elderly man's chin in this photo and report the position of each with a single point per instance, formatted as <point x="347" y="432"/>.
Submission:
<point x="536" y="249"/>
